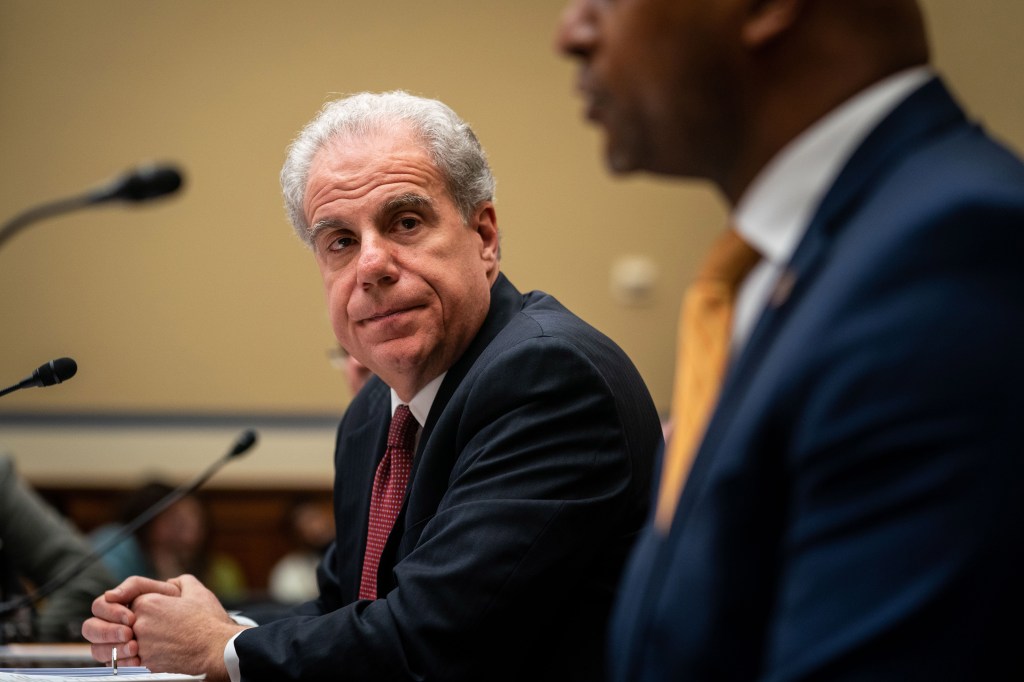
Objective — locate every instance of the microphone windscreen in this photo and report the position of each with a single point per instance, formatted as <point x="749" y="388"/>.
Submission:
<point x="243" y="444"/>
<point x="56" y="371"/>
<point x="140" y="184"/>
<point x="149" y="182"/>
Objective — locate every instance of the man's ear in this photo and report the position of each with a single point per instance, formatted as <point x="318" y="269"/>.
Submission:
<point x="485" y="223"/>
<point x="769" y="19"/>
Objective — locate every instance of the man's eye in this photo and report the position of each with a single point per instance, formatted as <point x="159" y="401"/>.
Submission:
<point x="341" y="243"/>
<point x="408" y="223"/>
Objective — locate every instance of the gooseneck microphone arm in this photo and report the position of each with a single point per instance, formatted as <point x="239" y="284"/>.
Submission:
<point x="140" y="184"/>
<point x="242" y="445"/>
<point x="26" y="218"/>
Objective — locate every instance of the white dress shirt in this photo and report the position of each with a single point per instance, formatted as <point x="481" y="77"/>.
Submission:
<point x="774" y="213"/>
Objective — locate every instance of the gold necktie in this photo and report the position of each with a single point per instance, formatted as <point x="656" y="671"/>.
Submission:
<point x="705" y="328"/>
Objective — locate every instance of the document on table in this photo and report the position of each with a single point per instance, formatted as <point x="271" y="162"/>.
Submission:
<point x="95" y="674"/>
<point x="35" y="655"/>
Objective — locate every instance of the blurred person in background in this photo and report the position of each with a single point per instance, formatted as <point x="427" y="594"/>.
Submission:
<point x="310" y="525"/>
<point x="37" y="545"/>
<point x="356" y="373"/>
<point x="173" y="543"/>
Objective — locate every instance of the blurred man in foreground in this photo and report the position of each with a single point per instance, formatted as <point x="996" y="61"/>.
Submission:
<point x="851" y="507"/>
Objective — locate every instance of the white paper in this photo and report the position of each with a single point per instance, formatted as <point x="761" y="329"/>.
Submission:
<point x="98" y="675"/>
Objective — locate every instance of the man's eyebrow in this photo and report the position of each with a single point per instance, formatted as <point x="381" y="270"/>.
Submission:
<point x="324" y="224"/>
<point x="403" y="202"/>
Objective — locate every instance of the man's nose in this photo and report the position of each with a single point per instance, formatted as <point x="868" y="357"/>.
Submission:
<point x="376" y="260"/>
<point x="577" y="32"/>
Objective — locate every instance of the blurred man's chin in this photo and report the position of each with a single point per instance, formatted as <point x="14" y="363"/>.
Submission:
<point x="620" y="162"/>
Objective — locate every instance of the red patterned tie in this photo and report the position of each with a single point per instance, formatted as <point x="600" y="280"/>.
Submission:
<point x="388" y="492"/>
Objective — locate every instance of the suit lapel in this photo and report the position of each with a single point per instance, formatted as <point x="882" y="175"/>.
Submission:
<point x="923" y="114"/>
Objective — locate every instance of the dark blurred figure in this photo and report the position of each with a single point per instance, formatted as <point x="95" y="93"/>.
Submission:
<point x="36" y="545"/>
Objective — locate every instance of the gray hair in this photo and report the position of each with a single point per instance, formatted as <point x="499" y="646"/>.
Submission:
<point x="448" y="139"/>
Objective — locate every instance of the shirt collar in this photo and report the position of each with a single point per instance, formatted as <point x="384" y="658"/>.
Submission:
<point x="421" y="402"/>
<point x="776" y="210"/>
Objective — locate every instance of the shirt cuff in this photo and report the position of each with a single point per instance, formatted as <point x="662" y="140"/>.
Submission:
<point x="242" y="620"/>
<point x="231" y="660"/>
<point x="230" y="655"/>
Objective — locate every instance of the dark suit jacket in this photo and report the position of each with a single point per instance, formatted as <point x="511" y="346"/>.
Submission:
<point x="855" y="510"/>
<point x="531" y="479"/>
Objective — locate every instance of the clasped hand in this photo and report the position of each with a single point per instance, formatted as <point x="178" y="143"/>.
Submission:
<point x="174" y="626"/>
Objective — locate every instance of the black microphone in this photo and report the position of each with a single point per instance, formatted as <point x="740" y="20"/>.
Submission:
<point x="242" y="445"/>
<point x="141" y="184"/>
<point x="53" y="372"/>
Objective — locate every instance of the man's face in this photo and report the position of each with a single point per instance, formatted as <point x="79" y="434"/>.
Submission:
<point x="657" y="76"/>
<point x="407" y="281"/>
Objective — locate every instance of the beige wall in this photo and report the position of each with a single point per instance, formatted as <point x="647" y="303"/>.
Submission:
<point x="206" y="303"/>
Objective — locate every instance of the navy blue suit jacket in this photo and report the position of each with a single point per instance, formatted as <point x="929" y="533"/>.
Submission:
<point x="529" y="485"/>
<point x="855" y="510"/>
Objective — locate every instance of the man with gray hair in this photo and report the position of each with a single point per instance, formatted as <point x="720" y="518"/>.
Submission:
<point x="481" y="535"/>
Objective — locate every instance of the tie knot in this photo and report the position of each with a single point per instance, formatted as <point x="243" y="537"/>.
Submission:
<point x="402" y="433"/>
<point x="729" y="260"/>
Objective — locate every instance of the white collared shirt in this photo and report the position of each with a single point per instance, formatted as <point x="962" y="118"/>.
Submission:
<point x="774" y="213"/>
<point x="421" y="402"/>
